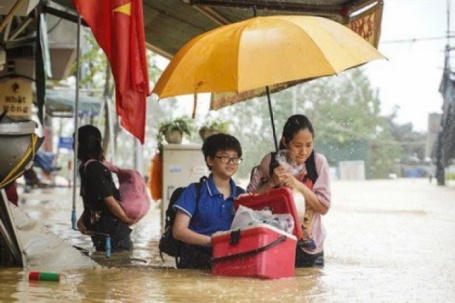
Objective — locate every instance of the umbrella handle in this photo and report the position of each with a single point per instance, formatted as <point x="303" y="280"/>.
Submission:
<point x="271" y="118"/>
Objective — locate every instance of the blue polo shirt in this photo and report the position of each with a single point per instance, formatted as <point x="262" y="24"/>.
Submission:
<point x="212" y="212"/>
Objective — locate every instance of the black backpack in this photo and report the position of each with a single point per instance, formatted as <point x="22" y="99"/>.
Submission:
<point x="168" y="244"/>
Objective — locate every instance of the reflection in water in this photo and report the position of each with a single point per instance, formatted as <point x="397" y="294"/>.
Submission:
<point x="388" y="241"/>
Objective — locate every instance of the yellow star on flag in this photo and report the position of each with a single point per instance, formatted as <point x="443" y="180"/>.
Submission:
<point x="124" y="9"/>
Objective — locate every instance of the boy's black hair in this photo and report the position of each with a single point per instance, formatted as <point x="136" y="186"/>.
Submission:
<point x="89" y="145"/>
<point x="217" y="142"/>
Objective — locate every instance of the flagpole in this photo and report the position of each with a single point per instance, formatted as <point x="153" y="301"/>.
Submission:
<point x="76" y="121"/>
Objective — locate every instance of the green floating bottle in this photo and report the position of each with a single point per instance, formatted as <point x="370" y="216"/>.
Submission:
<point x="43" y="276"/>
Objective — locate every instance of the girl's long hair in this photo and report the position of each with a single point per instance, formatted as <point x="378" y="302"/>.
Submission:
<point x="90" y="143"/>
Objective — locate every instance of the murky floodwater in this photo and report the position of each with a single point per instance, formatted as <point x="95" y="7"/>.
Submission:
<point x="388" y="241"/>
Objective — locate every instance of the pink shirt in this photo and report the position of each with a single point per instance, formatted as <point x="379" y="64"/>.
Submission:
<point x="321" y="188"/>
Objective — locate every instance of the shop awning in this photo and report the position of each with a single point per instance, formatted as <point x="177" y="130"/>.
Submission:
<point x="60" y="103"/>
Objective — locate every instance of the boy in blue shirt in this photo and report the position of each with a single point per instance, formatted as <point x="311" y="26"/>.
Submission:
<point x="199" y="215"/>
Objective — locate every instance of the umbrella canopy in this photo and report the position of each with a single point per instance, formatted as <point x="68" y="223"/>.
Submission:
<point x="260" y="52"/>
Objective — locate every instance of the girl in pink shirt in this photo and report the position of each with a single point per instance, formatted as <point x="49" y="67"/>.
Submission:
<point x="311" y="179"/>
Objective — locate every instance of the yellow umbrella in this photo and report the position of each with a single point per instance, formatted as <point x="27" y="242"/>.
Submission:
<point x="261" y="52"/>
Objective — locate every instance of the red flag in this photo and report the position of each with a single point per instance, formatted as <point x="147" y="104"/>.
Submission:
<point x="118" y="27"/>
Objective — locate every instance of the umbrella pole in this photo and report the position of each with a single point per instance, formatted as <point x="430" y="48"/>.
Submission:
<point x="271" y="118"/>
<point x="193" y="115"/>
<point x="76" y="122"/>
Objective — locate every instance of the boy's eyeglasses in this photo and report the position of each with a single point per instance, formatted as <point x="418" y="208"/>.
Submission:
<point x="226" y="160"/>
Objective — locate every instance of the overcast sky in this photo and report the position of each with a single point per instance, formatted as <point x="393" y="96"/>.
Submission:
<point x="410" y="78"/>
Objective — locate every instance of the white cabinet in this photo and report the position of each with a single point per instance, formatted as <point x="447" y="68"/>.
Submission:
<point x="182" y="165"/>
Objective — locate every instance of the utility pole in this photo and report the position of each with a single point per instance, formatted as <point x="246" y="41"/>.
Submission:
<point x="440" y="167"/>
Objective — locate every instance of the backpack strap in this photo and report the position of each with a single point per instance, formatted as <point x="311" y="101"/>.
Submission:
<point x="253" y="171"/>
<point x="198" y="186"/>
<point x="240" y="190"/>
<point x="89" y="161"/>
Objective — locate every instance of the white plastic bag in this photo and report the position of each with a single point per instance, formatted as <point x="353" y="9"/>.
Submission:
<point x="245" y="217"/>
<point x="284" y="158"/>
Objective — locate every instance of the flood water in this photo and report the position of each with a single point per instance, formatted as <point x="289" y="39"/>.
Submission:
<point x="387" y="241"/>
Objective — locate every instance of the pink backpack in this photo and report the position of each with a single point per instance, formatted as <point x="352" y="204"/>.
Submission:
<point x="134" y="195"/>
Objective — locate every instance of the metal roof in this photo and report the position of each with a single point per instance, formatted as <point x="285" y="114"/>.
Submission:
<point x="169" y="24"/>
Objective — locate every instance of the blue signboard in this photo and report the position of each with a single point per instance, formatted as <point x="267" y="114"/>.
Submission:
<point x="65" y="142"/>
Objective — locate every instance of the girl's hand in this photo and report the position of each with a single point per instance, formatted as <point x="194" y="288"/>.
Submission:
<point x="132" y="221"/>
<point x="290" y="181"/>
<point x="81" y="227"/>
<point x="128" y="220"/>
<point x="279" y="175"/>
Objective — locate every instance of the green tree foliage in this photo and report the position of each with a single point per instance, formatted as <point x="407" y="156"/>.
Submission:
<point x="93" y="64"/>
<point x="412" y="143"/>
<point x="346" y="115"/>
<point x="345" y="112"/>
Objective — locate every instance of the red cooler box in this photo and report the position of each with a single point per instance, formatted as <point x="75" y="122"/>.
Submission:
<point x="279" y="201"/>
<point x="261" y="251"/>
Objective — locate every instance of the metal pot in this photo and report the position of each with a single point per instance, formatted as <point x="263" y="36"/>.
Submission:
<point x="18" y="146"/>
